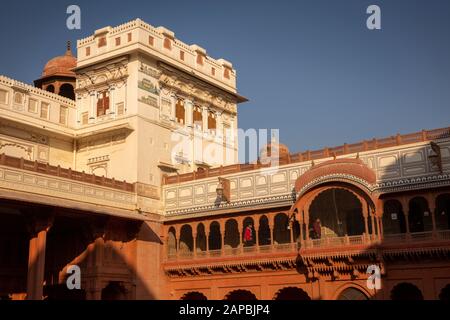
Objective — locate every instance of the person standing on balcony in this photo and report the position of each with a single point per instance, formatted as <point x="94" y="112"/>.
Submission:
<point x="317" y="228"/>
<point x="248" y="234"/>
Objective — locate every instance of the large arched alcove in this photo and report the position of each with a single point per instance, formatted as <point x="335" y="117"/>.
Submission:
<point x="231" y="234"/>
<point x="194" y="295"/>
<point x="248" y="224"/>
<point x="264" y="231"/>
<point x="281" y="232"/>
<point x="243" y="295"/>
<point x="201" y="238"/>
<point x="171" y="242"/>
<point x="291" y="293"/>
<point x="186" y="239"/>
<point x="352" y="293"/>
<point x="215" y="237"/>
<point x="406" y="291"/>
<point x="419" y="215"/>
<point x="393" y="217"/>
<point x="339" y="212"/>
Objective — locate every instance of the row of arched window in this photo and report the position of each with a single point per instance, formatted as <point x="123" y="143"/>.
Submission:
<point x="401" y="291"/>
<point x="338" y="217"/>
<point x="197" y="116"/>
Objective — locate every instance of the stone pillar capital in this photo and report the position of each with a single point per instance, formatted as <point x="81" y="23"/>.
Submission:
<point x="38" y="220"/>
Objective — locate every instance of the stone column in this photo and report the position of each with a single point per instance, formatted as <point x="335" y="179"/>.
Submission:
<point x="256" y="226"/>
<point x="365" y="212"/>
<point x="307" y="222"/>
<point x="271" y="223"/>
<point x="432" y="207"/>
<point x="173" y="102"/>
<point x="177" y="240"/>
<point x="301" y="224"/>
<point x="219" y="125"/>
<point x="92" y="107"/>
<point x="194" y="236"/>
<point x="205" y="118"/>
<point x="188" y="109"/>
<point x="374" y="227"/>
<point x="112" y="107"/>
<point x="38" y="226"/>
<point x="240" y="231"/>
<point x="405" y="208"/>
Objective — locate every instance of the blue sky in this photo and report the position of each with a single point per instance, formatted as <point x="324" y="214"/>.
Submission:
<point x="310" y="68"/>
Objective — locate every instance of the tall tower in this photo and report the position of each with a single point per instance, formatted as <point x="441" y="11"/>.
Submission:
<point x="58" y="77"/>
<point x="150" y="105"/>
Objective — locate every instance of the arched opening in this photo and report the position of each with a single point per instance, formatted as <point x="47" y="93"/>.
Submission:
<point x="445" y="293"/>
<point x="179" y="112"/>
<point x="231" y="234"/>
<point x="296" y="230"/>
<point x="264" y="231"/>
<point x="215" y="240"/>
<point x="212" y="121"/>
<point x="237" y="295"/>
<point x="186" y="239"/>
<point x="114" y="291"/>
<point x="194" y="295"/>
<point x="201" y="238"/>
<point x="352" y="294"/>
<point x="291" y="293"/>
<point x="281" y="229"/>
<point x="248" y="233"/>
<point x="171" y="242"/>
<point x="335" y="213"/>
<point x="443" y="212"/>
<point x="406" y="291"/>
<point x="393" y="218"/>
<point x="50" y="88"/>
<point x="67" y="91"/>
<point x="197" y="118"/>
<point x="419" y="215"/>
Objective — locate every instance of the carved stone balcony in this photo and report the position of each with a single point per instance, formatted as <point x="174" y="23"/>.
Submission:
<point x="329" y="257"/>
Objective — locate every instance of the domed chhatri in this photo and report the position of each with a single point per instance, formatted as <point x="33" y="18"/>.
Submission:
<point x="61" y="65"/>
<point x="58" y="75"/>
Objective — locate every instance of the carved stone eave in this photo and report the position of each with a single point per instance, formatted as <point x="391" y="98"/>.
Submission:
<point x="183" y="84"/>
<point x="287" y="263"/>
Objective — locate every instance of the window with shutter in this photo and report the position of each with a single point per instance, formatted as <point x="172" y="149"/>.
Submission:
<point x="211" y="121"/>
<point x="102" y="103"/>
<point x="179" y="112"/>
<point x="197" y="117"/>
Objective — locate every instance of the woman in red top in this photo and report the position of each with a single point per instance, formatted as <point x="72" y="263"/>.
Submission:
<point x="248" y="236"/>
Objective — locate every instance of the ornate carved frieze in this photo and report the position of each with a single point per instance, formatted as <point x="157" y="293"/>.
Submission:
<point x="102" y="76"/>
<point x="174" y="82"/>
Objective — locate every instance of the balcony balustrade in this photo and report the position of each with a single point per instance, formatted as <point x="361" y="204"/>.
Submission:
<point x="340" y="243"/>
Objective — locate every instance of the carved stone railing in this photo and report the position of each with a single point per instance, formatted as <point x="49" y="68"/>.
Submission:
<point x="366" y="145"/>
<point x="240" y="251"/>
<point x="57" y="171"/>
<point x="308" y="246"/>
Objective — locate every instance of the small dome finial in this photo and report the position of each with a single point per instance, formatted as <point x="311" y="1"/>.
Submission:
<point x="69" y="49"/>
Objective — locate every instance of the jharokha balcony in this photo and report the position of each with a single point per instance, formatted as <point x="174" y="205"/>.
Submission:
<point x="352" y="236"/>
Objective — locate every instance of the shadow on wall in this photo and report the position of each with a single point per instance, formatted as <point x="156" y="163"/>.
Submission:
<point x="104" y="249"/>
